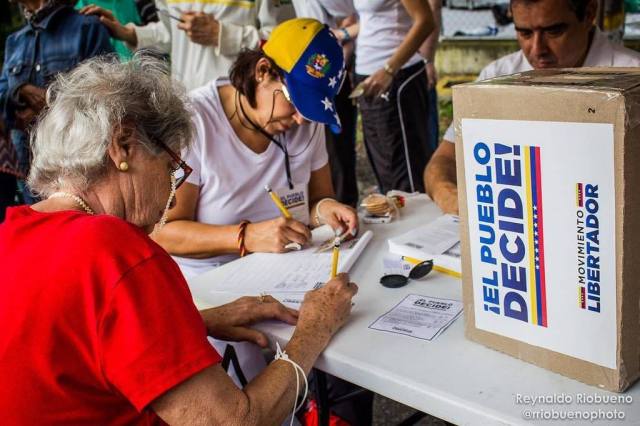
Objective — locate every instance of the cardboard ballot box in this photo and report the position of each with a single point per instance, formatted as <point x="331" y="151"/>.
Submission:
<point x="549" y="187"/>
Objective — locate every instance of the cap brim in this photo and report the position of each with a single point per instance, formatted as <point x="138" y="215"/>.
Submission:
<point x="313" y="104"/>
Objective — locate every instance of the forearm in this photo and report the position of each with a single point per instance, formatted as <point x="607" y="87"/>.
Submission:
<point x="440" y="175"/>
<point x="187" y="238"/>
<point x="272" y="393"/>
<point x="411" y="43"/>
<point x="430" y="45"/>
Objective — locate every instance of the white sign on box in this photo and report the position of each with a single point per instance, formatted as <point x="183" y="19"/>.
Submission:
<point x="541" y="224"/>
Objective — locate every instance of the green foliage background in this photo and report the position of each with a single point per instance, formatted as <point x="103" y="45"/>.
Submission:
<point x="10" y="20"/>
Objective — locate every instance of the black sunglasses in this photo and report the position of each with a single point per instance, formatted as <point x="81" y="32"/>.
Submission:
<point x="421" y="270"/>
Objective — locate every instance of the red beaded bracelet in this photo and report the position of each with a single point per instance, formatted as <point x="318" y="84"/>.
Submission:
<point x="241" y="231"/>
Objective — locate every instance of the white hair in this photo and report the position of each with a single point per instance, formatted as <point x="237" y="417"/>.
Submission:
<point x="86" y="106"/>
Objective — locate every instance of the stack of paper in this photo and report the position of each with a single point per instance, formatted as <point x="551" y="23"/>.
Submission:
<point x="287" y="276"/>
<point x="438" y="240"/>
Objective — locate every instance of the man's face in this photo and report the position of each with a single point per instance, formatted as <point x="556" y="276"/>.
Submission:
<point x="550" y="34"/>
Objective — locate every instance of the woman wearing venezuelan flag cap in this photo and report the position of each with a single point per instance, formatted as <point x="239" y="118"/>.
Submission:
<point x="260" y="128"/>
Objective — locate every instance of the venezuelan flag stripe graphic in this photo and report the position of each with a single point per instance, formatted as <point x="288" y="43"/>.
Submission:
<point x="532" y="275"/>
<point x="538" y="237"/>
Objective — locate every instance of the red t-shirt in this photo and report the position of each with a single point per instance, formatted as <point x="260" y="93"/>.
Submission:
<point x="96" y="321"/>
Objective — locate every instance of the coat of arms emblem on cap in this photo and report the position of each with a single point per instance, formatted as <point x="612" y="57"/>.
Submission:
<point x="318" y="65"/>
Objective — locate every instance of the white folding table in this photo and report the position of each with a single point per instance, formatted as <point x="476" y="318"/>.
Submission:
<point x="450" y="377"/>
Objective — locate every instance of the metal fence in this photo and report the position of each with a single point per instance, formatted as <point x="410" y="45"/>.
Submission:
<point x="483" y="19"/>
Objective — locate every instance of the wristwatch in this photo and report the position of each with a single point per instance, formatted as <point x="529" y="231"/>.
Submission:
<point x="346" y="37"/>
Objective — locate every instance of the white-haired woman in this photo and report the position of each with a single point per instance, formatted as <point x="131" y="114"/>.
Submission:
<point x="98" y="323"/>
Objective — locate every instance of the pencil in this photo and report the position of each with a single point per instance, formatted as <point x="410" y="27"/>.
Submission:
<point x="438" y="268"/>
<point x="277" y="202"/>
<point x="169" y="15"/>
<point x="334" y="258"/>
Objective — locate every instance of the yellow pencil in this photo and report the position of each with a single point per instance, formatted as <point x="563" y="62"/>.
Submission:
<point x="334" y="258"/>
<point x="277" y="202"/>
<point x="435" y="267"/>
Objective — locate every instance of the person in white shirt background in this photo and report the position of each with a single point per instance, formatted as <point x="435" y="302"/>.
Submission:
<point x="395" y="102"/>
<point x="203" y="37"/>
<point x="551" y="34"/>
<point x="338" y="15"/>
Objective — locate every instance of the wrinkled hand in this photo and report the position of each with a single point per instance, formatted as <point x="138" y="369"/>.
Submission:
<point x="325" y="310"/>
<point x="432" y="75"/>
<point x="116" y="29"/>
<point x="447" y="199"/>
<point x="34" y="96"/>
<point x="200" y="27"/>
<point x="272" y="235"/>
<point x="24" y="118"/>
<point x="377" y="84"/>
<point x="340" y="217"/>
<point x="232" y="321"/>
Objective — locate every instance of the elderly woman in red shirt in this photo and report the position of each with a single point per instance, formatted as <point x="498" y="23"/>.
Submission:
<point x="98" y="323"/>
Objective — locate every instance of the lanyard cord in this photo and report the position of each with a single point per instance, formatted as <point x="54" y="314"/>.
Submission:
<point x="280" y="145"/>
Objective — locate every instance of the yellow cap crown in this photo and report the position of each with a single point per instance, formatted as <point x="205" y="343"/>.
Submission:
<point x="289" y="40"/>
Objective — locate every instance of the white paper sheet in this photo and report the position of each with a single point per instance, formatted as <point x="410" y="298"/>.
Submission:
<point x="429" y="240"/>
<point x="288" y="272"/>
<point x="422" y="317"/>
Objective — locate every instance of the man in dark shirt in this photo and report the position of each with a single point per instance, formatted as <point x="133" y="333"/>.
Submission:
<point x="55" y="39"/>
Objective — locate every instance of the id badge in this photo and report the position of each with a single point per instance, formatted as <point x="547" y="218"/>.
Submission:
<point x="296" y="200"/>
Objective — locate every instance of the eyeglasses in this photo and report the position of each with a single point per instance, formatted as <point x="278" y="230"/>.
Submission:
<point x="286" y="94"/>
<point x="421" y="270"/>
<point x="179" y="168"/>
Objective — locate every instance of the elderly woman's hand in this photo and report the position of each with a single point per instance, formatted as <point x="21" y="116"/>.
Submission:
<point x="326" y="309"/>
<point x="340" y="217"/>
<point x="232" y="321"/>
<point x="273" y="235"/>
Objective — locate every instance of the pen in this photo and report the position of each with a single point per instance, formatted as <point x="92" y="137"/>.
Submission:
<point x="277" y="202"/>
<point x="440" y="269"/>
<point x="334" y="258"/>
<point x="169" y="15"/>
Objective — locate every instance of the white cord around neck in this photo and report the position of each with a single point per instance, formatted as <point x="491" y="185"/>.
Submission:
<point x="75" y="198"/>
<point x="280" y="354"/>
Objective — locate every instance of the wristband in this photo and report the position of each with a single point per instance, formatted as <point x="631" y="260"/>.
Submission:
<point x="346" y="36"/>
<point x="241" y="232"/>
<point x="282" y="355"/>
<point x="319" y="219"/>
<point x="389" y="69"/>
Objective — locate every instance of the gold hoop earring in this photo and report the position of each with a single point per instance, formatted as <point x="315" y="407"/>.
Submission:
<point x="123" y="166"/>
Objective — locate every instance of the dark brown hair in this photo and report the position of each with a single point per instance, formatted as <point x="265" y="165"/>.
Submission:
<point x="243" y="73"/>
<point x="579" y="7"/>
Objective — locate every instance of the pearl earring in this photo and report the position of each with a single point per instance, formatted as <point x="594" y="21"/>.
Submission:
<point x="123" y="166"/>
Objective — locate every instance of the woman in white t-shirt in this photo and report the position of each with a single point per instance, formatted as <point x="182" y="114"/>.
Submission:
<point x="260" y="128"/>
<point x="395" y="100"/>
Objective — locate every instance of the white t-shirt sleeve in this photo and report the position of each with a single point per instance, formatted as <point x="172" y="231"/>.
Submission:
<point x="234" y="37"/>
<point x="319" y="155"/>
<point x="154" y="34"/>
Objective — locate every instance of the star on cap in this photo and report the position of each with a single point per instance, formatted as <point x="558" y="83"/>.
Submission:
<point x="340" y="73"/>
<point x="337" y="118"/>
<point x="333" y="81"/>
<point x="327" y="104"/>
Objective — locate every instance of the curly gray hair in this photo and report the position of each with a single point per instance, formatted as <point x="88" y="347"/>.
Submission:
<point x="86" y="105"/>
